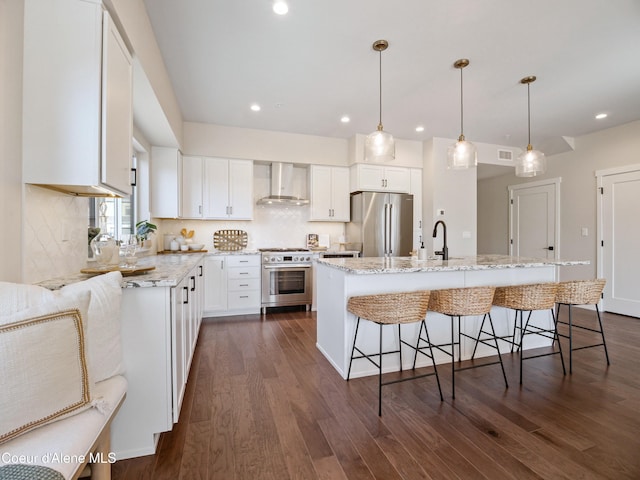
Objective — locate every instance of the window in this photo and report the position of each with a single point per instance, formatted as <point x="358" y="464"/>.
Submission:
<point x="114" y="216"/>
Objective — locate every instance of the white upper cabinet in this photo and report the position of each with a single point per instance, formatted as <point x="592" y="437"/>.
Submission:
<point x="165" y="168"/>
<point x="378" y="178"/>
<point x="192" y="205"/>
<point x="329" y="188"/>
<point x="228" y="189"/>
<point x="77" y="99"/>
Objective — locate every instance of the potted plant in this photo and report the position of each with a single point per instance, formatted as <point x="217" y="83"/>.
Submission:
<point x="144" y="229"/>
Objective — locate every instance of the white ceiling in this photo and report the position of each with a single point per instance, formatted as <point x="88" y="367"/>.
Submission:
<point x="314" y="65"/>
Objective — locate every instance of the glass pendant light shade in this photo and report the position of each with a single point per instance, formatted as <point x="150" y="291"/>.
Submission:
<point x="379" y="146"/>
<point x="462" y="154"/>
<point x="530" y="162"/>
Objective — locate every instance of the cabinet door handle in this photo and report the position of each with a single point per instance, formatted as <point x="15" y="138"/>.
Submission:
<point x="200" y="209"/>
<point x="243" y="273"/>
<point x="200" y="270"/>
<point x="222" y="265"/>
<point x="185" y="289"/>
<point x="244" y="296"/>
<point x="382" y="182"/>
<point x="193" y="283"/>
<point x="244" y="284"/>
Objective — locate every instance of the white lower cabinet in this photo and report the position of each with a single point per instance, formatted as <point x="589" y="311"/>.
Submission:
<point x="159" y="332"/>
<point x="233" y="287"/>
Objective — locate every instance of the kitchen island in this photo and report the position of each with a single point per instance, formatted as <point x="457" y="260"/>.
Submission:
<point x="339" y="279"/>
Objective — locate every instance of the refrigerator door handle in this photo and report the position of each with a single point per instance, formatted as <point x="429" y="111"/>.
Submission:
<point x="386" y="227"/>
<point x="390" y="229"/>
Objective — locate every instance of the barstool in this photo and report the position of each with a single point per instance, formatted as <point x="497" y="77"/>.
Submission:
<point x="390" y="309"/>
<point x="581" y="292"/>
<point x="528" y="298"/>
<point x="460" y="302"/>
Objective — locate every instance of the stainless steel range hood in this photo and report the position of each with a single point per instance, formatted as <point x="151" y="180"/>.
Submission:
<point x="282" y="187"/>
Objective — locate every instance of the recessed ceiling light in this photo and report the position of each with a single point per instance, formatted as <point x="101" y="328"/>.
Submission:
<point x="420" y="128"/>
<point x="255" y="107"/>
<point x="600" y="116"/>
<point x="345" y="119"/>
<point x="280" y="7"/>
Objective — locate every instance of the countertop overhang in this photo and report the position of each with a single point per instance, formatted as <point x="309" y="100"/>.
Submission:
<point x="378" y="265"/>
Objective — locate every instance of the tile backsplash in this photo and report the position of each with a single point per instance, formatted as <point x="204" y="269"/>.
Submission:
<point x="55" y="234"/>
<point x="272" y="226"/>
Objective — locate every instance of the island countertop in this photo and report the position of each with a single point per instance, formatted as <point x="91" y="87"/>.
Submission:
<point x="377" y="265"/>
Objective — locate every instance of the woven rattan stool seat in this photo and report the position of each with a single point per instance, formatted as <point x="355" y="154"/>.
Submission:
<point x="537" y="296"/>
<point x="462" y="301"/>
<point x="527" y="298"/>
<point x="391" y="308"/>
<point x="581" y="292"/>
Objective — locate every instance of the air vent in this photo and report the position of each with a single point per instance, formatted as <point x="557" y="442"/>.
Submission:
<point x="505" y="155"/>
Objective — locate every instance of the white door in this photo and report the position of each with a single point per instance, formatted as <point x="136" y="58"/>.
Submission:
<point x="534" y="220"/>
<point x="620" y="248"/>
<point x="241" y="189"/>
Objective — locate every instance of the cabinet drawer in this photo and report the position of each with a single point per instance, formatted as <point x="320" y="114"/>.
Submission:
<point x="244" y="300"/>
<point x="243" y="284"/>
<point x="243" y="260"/>
<point x="235" y="273"/>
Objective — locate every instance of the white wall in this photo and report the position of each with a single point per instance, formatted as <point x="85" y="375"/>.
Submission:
<point x="609" y="148"/>
<point x="11" y="20"/>
<point x="453" y="191"/>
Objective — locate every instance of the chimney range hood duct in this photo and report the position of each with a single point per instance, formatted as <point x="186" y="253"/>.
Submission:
<point x="282" y="187"/>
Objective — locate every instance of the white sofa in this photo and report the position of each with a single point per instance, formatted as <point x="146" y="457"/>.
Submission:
<point x="61" y="365"/>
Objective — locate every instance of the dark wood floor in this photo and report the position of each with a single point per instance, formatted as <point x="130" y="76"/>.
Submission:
<point x="263" y="403"/>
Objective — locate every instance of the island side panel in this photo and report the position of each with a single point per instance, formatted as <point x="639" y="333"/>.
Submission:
<point x="330" y="315"/>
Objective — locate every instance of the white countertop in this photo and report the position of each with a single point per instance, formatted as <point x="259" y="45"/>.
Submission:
<point x="377" y="265"/>
<point x="170" y="270"/>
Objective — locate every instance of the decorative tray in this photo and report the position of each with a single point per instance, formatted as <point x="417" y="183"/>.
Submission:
<point x="125" y="271"/>
<point x="230" y="240"/>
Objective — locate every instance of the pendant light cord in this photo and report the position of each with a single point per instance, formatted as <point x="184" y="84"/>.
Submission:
<point x="529" y="111"/>
<point x="461" y="106"/>
<point x="380" y="85"/>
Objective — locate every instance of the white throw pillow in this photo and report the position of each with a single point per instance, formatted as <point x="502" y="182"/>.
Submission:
<point x="43" y="364"/>
<point x="102" y="323"/>
<point x="103" y="329"/>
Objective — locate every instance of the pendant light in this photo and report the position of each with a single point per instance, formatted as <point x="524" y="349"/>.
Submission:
<point x="463" y="154"/>
<point x="379" y="145"/>
<point x="530" y="162"/>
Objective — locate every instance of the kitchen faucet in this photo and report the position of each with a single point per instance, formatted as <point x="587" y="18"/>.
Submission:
<point x="445" y="251"/>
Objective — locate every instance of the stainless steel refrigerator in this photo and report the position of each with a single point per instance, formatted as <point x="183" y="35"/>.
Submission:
<point x="381" y="223"/>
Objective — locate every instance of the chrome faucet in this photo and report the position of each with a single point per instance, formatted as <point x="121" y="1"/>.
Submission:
<point x="445" y="251"/>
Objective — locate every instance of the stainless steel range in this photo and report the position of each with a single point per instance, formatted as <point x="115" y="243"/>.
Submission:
<point x="286" y="277"/>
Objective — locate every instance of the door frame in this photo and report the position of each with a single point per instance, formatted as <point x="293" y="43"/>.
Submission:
<point x="600" y="174"/>
<point x="555" y="182"/>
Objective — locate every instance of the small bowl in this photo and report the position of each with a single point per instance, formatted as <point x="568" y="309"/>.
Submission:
<point x="196" y="246"/>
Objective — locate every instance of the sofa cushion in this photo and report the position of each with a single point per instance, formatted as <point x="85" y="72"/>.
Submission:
<point x="43" y="364"/>
<point x="103" y="321"/>
<point x="104" y="345"/>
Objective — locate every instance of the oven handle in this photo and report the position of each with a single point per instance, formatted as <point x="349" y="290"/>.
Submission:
<point x="288" y="267"/>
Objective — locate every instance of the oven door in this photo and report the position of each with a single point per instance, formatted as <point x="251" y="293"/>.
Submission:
<point x="286" y="285"/>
